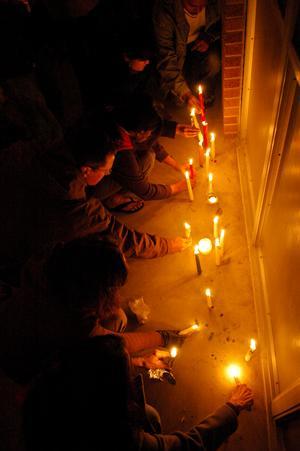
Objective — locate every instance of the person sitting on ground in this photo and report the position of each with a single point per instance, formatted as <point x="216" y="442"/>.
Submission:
<point x="64" y="409"/>
<point x="44" y="198"/>
<point x="187" y="34"/>
<point x="133" y="165"/>
<point x="67" y="295"/>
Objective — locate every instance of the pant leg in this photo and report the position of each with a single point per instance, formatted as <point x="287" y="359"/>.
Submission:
<point x="105" y="188"/>
<point x="153" y="420"/>
<point x="146" y="161"/>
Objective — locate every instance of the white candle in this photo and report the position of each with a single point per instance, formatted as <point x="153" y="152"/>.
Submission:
<point x="190" y="330"/>
<point x="212" y="145"/>
<point x="217" y="252"/>
<point x="210" y="180"/>
<point x="205" y="246"/>
<point x="208" y="298"/>
<point x="222" y="237"/>
<point x="192" y="114"/>
<point x="251" y="350"/>
<point x="187" y="230"/>
<point x="207" y="155"/>
<point x="189" y="186"/>
<point x="216" y="227"/>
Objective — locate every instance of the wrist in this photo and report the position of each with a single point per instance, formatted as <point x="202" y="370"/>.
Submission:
<point x="234" y="407"/>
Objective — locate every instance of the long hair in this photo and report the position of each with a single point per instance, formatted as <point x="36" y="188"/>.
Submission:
<point x="86" y="403"/>
<point x="87" y="273"/>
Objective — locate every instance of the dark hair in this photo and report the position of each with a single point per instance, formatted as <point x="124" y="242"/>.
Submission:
<point x="93" y="140"/>
<point x="85" y="403"/>
<point x="138" y="114"/>
<point x="87" y="272"/>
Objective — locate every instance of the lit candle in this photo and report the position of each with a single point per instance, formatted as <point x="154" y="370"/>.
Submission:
<point x="201" y="101"/>
<point x="222" y="237"/>
<point x="173" y="352"/>
<point x="201" y="151"/>
<point x="194" y="120"/>
<point x="205" y="246"/>
<point x="251" y="350"/>
<point x="197" y="258"/>
<point x="217" y="252"/>
<point x="187" y="229"/>
<point x="216" y="226"/>
<point x="234" y="371"/>
<point x="208" y="298"/>
<point x="212" y="145"/>
<point x="205" y="134"/>
<point x="210" y="184"/>
<point x="212" y="198"/>
<point x="207" y="155"/>
<point x="190" y="330"/>
<point x="191" y="168"/>
<point x="189" y="186"/>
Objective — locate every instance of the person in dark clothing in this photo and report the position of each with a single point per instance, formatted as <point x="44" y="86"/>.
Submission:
<point x="43" y="194"/>
<point x="132" y="166"/>
<point x="67" y="294"/>
<point x="89" y="403"/>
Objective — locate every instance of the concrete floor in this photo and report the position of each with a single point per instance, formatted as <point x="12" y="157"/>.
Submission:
<point x="175" y="293"/>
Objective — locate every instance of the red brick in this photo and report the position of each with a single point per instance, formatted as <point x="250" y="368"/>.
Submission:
<point x="231" y="72"/>
<point x="232" y="61"/>
<point x="231" y="82"/>
<point x="236" y="10"/>
<point x="233" y="49"/>
<point x="231" y="111"/>
<point x="231" y="102"/>
<point x="231" y="129"/>
<point x="230" y="120"/>
<point x="233" y="37"/>
<point x="232" y="92"/>
<point x="233" y="24"/>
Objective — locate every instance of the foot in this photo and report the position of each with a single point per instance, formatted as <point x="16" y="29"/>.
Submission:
<point x="123" y="204"/>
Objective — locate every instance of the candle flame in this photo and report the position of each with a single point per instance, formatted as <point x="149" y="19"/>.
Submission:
<point x="212" y="199"/>
<point x="205" y="246"/>
<point x="252" y="344"/>
<point x="210" y="176"/>
<point x="204" y="123"/>
<point x="187" y="175"/>
<point x="191" y="161"/>
<point x="196" y="249"/>
<point x="193" y="111"/>
<point x="222" y="234"/>
<point x="200" y="89"/>
<point x="212" y="136"/>
<point x="208" y="292"/>
<point x="196" y="326"/>
<point x="187" y="226"/>
<point x="234" y="371"/>
<point x="216" y="219"/>
<point x="217" y="242"/>
<point x="207" y="153"/>
<point x="173" y="352"/>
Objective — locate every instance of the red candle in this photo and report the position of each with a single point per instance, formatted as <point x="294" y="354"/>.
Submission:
<point x="201" y="101"/>
<point x="205" y="134"/>
<point x="191" y="168"/>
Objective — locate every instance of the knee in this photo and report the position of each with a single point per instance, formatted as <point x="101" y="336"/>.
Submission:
<point x="153" y="418"/>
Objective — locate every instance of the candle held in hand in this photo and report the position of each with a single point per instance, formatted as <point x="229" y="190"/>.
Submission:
<point x="209" y="298"/>
<point x="190" y="330"/>
<point x="201" y="101"/>
<point x="187" y="230"/>
<point x="189" y="186"/>
<point x="251" y="350"/>
<point x="234" y="372"/>
<point x="197" y="259"/>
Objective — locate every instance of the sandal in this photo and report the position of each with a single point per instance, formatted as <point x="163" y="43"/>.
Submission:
<point x="122" y="207"/>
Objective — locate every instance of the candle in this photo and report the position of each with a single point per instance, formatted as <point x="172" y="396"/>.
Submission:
<point x="189" y="186"/>
<point x="201" y="152"/>
<point x="222" y="237"/>
<point x="205" y="134"/>
<point x="208" y="298"/>
<point x="187" y="229"/>
<point x="212" y="145"/>
<point x="212" y="198"/>
<point x="234" y="371"/>
<point x="190" y="330"/>
<point x="217" y="252"/>
<point x="251" y="350"/>
<point x="216" y="226"/>
<point x="210" y="184"/>
<point x="191" y="168"/>
<point x="207" y="155"/>
<point x="192" y="115"/>
<point x="197" y="258"/>
<point x="173" y="352"/>
<point x="205" y="246"/>
<point x="201" y="101"/>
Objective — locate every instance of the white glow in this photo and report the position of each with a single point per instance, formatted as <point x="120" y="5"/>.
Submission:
<point x="205" y="246"/>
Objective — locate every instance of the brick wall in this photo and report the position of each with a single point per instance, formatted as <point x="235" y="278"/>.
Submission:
<point x="233" y="35"/>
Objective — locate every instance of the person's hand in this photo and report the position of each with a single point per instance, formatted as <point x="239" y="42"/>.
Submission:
<point x="179" y="244"/>
<point x="193" y="102"/>
<point x="171" y="338"/>
<point x="200" y="46"/>
<point x="241" y="397"/>
<point x="157" y="359"/>
<point x="188" y="131"/>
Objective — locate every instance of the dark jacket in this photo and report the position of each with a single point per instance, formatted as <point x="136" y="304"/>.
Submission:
<point x="43" y="201"/>
<point x="171" y="32"/>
